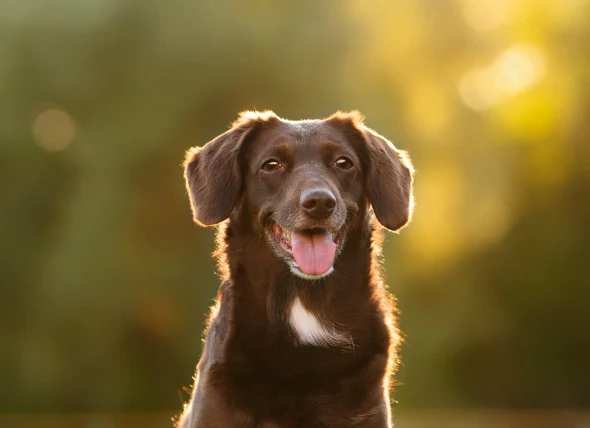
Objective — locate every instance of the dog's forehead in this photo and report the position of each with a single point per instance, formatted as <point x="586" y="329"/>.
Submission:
<point x="299" y="135"/>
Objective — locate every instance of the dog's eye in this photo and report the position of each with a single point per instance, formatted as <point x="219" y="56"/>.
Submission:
<point x="344" y="163"/>
<point x="271" y="165"/>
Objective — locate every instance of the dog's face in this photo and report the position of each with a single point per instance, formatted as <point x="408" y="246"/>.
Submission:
<point x="303" y="181"/>
<point x="300" y="183"/>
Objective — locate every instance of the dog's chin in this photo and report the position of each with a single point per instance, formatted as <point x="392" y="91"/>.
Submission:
<point x="280" y="240"/>
<point x="295" y="270"/>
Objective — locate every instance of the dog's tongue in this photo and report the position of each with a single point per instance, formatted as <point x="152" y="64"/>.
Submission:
<point x="313" y="252"/>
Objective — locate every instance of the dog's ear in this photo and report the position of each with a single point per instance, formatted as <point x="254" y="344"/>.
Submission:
<point x="212" y="173"/>
<point x="389" y="183"/>
<point x="388" y="171"/>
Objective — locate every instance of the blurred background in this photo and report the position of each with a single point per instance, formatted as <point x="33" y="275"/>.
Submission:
<point x="105" y="281"/>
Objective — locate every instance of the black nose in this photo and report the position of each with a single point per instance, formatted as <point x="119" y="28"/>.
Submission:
<point x="318" y="203"/>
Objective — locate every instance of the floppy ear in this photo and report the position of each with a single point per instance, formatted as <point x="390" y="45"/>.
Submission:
<point x="389" y="181"/>
<point x="213" y="177"/>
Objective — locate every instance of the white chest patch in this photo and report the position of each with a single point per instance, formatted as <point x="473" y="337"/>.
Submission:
<point x="310" y="331"/>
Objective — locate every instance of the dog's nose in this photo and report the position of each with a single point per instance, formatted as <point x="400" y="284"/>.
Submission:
<point x="318" y="203"/>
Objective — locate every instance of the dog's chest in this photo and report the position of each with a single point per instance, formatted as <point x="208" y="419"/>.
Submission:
<point x="312" y="329"/>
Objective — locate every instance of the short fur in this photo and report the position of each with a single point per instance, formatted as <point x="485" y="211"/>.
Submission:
<point x="253" y="371"/>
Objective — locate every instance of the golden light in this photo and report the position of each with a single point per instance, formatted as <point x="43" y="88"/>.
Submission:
<point x="513" y="71"/>
<point x="437" y="236"/>
<point x="518" y="68"/>
<point x="477" y="90"/>
<point x="430" y="109"/>
<point x="485" y="15"/>
<point x="54" y="129"/>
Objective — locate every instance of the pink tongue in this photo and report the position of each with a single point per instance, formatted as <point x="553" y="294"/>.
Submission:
<point x="314" y="253"/>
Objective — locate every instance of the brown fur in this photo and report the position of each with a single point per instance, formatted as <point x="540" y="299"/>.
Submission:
<point x="253" y="373"/>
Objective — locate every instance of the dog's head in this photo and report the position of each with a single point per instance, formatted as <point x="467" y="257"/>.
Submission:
<point x="300" y="183"/>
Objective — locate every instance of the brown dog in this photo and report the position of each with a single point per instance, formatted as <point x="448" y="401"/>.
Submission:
<point x="303" y="332"/>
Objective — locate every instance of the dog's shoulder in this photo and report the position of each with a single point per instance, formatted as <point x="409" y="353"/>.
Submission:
<point x="219" y="327"/>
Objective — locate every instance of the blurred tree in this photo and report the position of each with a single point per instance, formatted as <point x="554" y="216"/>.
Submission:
<point x="105" y="280"/>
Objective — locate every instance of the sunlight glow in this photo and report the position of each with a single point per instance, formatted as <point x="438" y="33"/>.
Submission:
<point x="518" y="68"/>
<point x="476" y="89"/>
<point x="513" y="71"/>
<point x="437" y="236"/>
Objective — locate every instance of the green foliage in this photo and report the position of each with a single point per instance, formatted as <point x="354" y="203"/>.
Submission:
<point x="105" y="281"/>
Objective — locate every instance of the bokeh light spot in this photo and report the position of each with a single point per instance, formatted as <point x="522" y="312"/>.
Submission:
<point x="518" y="68"/>
<point x="513" y="71"/>
<point x="54" y="129"/>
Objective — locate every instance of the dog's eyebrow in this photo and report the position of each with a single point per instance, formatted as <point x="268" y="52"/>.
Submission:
<point x="286" y="149"/>
<point x="281" y="148"/>
<point x="328" y="145"/>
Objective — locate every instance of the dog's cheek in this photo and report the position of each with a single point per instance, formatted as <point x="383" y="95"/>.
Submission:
<point x="355" y="194"/>
<point x="261" y="218"/>
<point x="259" y="210"/>
<point x="348" y="179"/>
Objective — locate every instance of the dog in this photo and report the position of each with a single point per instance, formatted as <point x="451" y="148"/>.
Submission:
<point x="303" y="331"/>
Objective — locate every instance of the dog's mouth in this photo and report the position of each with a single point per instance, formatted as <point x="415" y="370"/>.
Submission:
<point x="310" y="253"/>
